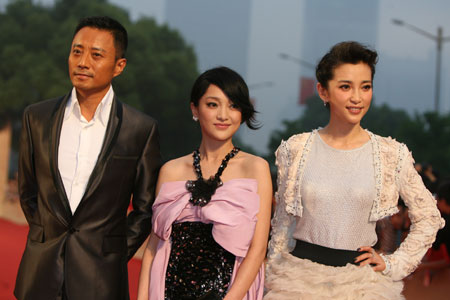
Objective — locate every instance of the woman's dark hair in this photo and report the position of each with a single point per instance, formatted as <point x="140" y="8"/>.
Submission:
<point x="349" y="52"/>
<point x="108" y="24"/>
<point x="232" y="85"/>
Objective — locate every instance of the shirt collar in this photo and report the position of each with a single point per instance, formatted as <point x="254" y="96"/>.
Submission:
<point x="102" y="112"/>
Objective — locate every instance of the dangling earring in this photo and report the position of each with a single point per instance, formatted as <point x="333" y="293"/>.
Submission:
<point x="195" y="118"/>
<point x="325" y="103"/>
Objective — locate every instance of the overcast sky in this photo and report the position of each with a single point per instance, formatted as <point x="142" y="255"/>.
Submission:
<point x="406" y="71"/>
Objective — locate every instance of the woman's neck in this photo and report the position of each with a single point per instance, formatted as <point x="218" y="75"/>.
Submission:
<point x="214" y="151"/>
<point x="344" y="137"/>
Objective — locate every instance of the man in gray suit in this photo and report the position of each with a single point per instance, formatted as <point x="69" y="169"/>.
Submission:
<point x="83" y="156"/>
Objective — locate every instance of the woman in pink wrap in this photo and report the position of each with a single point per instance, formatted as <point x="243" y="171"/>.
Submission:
<point x="209" y="237"/>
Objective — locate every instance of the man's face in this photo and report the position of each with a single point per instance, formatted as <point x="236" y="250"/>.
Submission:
<point x="92" y="61"/>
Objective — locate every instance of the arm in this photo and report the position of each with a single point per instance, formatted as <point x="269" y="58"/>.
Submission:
<point x="253" y="260"/>
<point x="26" y="174"/>
<point x="147" y="260"/>
<point x="150" y="250"/>
<point x="425" y="221"/>
<point x="139" y="219"/>
<point x="281" y="221"/>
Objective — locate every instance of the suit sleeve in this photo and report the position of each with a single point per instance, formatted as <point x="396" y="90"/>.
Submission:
<point x="26" y="172"/>
<point x="139" y="219"/>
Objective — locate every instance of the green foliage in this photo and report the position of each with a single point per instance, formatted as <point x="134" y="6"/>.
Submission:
<point x="315" y="115"/>
<point x="160" y="71"/>
<point x="426" y="135"/>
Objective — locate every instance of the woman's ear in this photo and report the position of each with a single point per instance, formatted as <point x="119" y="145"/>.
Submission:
<point x="323" y="92"/>
<point x="194" y="110"/>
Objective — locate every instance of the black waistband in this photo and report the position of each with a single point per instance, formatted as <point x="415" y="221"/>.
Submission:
<point x="324" y="255"/>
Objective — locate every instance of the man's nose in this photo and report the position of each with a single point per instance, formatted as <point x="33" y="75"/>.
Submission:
<point x="83" y="61"/>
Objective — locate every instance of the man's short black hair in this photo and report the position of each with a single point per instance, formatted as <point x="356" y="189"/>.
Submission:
<point x="108" y="24"/>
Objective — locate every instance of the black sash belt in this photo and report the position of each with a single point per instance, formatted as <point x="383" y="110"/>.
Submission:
<point x="324" y="255"/>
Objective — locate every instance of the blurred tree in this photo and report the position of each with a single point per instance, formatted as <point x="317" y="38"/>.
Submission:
<point x="160" y="71"/>
<point x="314" y="115"/>
<point x="426" y="135"/>
<point x="385" y="121"/>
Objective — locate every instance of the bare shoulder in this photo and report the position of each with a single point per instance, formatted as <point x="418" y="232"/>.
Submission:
<point x="254" y="166"/>
<point x="176" y="169"/>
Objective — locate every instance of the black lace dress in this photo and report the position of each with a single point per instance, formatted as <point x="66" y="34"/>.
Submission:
<point x="198" y="267"/>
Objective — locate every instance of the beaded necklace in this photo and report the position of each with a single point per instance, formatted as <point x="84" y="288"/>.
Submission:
<point x="201" y="189"/>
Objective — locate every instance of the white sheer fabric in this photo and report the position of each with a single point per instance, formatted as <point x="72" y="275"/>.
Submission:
<point x="338" y="189"/>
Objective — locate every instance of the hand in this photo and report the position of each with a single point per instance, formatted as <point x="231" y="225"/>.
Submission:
<point x="370" y="257"/>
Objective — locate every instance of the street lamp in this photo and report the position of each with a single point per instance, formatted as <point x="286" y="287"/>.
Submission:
<point x="439" y="39"/>
<point x="297" y="60"/>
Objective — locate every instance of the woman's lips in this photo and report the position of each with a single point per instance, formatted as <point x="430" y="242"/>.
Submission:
<point x="222" y="126"/>
<point x="355" y="110"/>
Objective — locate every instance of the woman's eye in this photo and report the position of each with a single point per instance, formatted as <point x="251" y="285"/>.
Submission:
<point x="211" y="104"/>
<point x="345" y="87"/>
<point x="234" y="106"/>
<point x="367" y="87"/>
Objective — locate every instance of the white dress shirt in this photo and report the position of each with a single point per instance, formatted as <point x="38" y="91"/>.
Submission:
<point x="80" y="144"/>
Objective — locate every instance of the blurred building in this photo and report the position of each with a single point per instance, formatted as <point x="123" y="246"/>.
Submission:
<point x="326" y="23"/>
<point x="218" y="30"/>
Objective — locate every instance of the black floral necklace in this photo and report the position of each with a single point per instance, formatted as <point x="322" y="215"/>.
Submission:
<point x="201" y="189"/>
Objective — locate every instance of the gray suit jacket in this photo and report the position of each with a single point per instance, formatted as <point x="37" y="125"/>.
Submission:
<point x="86" y="252"/>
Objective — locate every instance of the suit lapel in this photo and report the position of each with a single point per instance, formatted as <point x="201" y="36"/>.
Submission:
<point x="112" y="131"/>
<point x="64" y="213"/>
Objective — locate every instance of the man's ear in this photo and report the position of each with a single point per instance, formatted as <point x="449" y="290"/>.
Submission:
<point x="120" y="66"/>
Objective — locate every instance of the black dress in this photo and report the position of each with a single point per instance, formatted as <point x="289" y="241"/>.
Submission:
<point x="198" y="267"/>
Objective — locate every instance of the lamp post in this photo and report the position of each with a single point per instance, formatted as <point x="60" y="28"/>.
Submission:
<point x="439" y="39"/>
<point x="297" y="60"/>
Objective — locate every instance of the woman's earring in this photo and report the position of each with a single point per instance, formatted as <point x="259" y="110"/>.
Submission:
<point x="325" y="103"/>
<point x="194" y="118"/>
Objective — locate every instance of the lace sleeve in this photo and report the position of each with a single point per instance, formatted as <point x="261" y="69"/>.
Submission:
<point x="282" y="223"/>
<point x="425" y="219"/>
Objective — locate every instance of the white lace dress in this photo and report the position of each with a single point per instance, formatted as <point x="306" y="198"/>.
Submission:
<point x="289" y="277"/>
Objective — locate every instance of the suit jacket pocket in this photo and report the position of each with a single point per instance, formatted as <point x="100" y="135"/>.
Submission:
<point x="114" y="244"/>
<point x="36" y="233"/>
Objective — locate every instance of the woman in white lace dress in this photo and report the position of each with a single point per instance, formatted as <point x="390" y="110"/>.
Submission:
<point x="334" y="183"/>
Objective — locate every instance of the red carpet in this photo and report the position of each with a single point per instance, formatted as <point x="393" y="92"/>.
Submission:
<point x="12" y="243"/>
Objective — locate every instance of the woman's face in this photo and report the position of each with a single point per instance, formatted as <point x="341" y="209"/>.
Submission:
<point x="219" y="118"/>
<point x="349" y="93"/>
